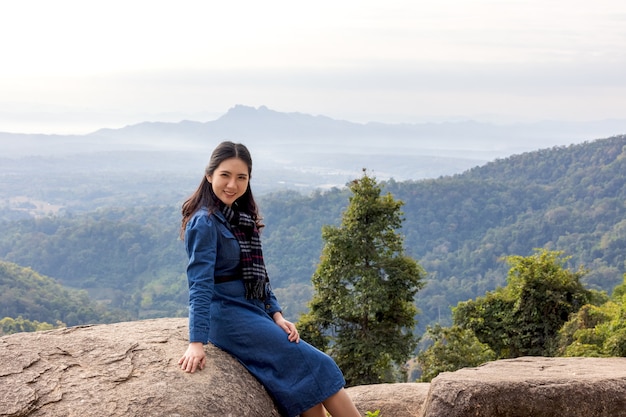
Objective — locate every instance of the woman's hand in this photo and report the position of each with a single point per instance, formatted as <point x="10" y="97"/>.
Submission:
<point x="194" y="358"/>
<point x="287" y="326"/>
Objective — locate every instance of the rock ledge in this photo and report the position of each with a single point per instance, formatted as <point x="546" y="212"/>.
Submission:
<point x="130" y="369"/>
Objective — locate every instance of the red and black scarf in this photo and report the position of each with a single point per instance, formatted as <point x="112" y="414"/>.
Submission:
<point x="253" y="271"/>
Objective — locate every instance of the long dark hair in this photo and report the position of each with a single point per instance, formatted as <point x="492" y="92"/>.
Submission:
<point x="204" y="195"/>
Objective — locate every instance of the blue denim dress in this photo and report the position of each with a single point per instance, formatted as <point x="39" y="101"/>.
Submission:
<point x="297" y="375"/>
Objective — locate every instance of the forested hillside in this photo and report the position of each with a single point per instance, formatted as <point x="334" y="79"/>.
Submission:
<point x="458" y="227"/>
<point x="129" y="258"/>
<point x="25" y="293"/>
<point x="571" y="199"/>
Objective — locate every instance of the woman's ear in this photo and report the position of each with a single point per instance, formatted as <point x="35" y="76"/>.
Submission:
<point x="208" y="178"/>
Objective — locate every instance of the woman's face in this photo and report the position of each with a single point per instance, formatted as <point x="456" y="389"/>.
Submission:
<point x="229" y="180"/>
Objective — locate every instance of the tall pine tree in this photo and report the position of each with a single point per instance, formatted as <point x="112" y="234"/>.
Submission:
<point x="363" y="311"/>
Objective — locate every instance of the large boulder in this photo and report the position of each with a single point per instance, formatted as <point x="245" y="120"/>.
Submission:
<point x="130" y="369"/>
<point x="392" y="400"/>
<point x="532" y="387"/>
<point x="123" y="369"/>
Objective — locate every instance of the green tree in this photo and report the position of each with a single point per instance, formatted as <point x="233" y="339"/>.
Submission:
<point x="597" y="330"/>
<point x="363" y="310"/>
<point x="490" y="318"/>
<point x="9" y="325"/>
<point x="539" y="298"/>
<point x="452" y="348"/>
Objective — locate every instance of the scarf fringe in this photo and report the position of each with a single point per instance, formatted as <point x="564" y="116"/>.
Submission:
<point x="256" y="281"/>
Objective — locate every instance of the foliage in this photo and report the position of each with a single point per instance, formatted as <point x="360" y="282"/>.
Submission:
<point x="125" y="258"/>
<point x="452" y="348"/>
<point x="569" y="199"/>
<point x="32" y="298"/>
<point x="527" y="318"/>
<point x="597" y="330"/>
<point x="524" y="317"/>
<point x="10" y="325"/>
<point x="362" y="309"/>
<point x="490" y="318"/>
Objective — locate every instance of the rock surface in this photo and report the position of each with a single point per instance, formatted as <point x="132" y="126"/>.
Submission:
<point x="130" y="369"/>
<point x="392" y="400"/>
<point x="122" y="369"/>
<point x="532" y="387"/>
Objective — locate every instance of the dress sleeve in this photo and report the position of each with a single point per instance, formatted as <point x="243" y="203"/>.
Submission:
<point x="201" y="246"/>
<point x="271" y="303"/>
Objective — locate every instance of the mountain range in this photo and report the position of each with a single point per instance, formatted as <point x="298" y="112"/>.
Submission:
<point x="316" y="151"/>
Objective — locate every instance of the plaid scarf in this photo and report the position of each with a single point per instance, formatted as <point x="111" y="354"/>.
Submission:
<point x="251" y="261"/>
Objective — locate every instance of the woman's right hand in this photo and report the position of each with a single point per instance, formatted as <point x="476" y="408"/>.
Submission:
<point x="194" y="358"/>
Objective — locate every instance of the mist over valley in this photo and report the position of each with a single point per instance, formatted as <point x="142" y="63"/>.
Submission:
<point x="290" y="150"/>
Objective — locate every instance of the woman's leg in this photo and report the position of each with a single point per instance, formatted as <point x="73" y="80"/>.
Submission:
<point x="317" y="411"/>
<point x="341" y="405"/>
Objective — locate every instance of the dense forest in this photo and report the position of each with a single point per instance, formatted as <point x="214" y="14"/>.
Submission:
<point x="126" y="252"/>
<point x="27" y="294"/>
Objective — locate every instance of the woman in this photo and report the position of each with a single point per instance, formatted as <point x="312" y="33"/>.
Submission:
<point x="231" y="303"/>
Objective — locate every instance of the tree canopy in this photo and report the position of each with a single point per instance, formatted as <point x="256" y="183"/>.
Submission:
<point x="29" y="300"/>
<point x="524" y="318"/>
<point x="363" y="310"/>
<point x="597" y="330"/>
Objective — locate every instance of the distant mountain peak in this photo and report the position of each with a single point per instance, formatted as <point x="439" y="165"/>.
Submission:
<point x="243" y="112"/>
<point x="240" y="111"/>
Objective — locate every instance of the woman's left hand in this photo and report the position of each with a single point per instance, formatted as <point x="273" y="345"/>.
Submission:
<point x="288" y="327"/>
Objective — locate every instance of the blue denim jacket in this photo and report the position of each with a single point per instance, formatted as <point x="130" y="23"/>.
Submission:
<point x="213" y="251"/>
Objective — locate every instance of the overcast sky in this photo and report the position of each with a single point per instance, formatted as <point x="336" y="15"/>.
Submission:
<point x="75" y="66"/>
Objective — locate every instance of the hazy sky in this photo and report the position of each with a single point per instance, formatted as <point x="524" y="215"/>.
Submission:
<point x="75" y="66"/>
